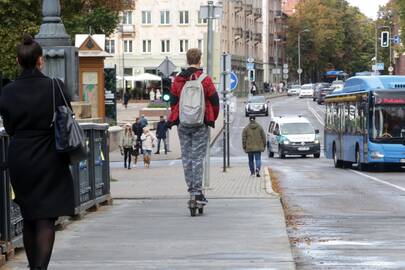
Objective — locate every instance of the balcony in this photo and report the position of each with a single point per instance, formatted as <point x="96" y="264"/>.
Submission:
<point x="248" y="35"/>
<point x="238" y="33"/>
<point x="257" y="13"/>
<point x="127" y="29"/>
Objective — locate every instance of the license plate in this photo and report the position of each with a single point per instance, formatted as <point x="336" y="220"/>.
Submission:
<point x="303" y="148"/>
<point x="402" y="160"/>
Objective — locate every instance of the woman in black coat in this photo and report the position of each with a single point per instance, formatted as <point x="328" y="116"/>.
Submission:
<point x="40" y="176"/>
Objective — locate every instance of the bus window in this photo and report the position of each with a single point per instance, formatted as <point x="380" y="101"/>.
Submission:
<point x="388" y="122"/>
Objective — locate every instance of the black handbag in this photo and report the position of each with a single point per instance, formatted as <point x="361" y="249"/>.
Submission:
<point x="69" y="136"/>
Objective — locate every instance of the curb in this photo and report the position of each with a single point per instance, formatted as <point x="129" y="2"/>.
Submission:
<point x="268" y="183"/>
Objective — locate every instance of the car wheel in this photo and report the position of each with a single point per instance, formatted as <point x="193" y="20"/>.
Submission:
<point x="246" y="114"/>
<point x="317" y="155"/>
<point x="358" y="165"/>
<point x="338" y="163"/>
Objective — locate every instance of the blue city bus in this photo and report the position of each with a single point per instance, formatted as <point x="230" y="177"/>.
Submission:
<point x="365" y="122"/>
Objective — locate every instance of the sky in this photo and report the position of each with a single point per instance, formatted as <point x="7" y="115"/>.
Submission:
<point x="368" y="7"/>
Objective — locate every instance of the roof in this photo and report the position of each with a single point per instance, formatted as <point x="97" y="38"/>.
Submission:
<point x="369" y="83"/>
<point x="290" y="119"/>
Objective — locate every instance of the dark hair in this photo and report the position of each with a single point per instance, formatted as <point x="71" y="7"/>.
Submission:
<point x="28" y="52"/>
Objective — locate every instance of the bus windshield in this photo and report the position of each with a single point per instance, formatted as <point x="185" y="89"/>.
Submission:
<point x="296" y="128"/>
<point x="389" y="123"/>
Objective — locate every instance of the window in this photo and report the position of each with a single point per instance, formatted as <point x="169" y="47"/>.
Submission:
<point x="201" y="20"/>
<point x="200" y="44"/>
<point x="165" y="17"/>
<point x="146" y="46"/>
<point x="184" y="17"/>
<point x="165" y="46"/>
<point x="128" y="46"/>
<point x="128" y="72"/>
<point x="146" y="17"/>
<point x="183" y="45"/>
<point x="110" y="46"/>
<point x="127" y="17"/>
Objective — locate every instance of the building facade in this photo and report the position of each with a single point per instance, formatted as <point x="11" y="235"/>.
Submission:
<point x="154" y="30"/>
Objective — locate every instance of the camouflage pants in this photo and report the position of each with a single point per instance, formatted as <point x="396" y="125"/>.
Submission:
<point x="194" y="143"/>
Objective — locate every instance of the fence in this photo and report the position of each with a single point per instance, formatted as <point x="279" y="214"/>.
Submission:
<point x="91" y="179"/>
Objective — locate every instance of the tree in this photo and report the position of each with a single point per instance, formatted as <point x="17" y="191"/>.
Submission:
<point x="79" y="16"/>
<point x="340" y="37"/>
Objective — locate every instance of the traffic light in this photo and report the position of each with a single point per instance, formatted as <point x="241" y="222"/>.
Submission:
<point x="167" y="85"/>
<point x="252" y="75"/>
<point x="385" y="39"/>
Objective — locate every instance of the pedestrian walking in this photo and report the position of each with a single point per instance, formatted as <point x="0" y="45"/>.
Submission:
<point x="253" y="89"/>
<point x="152" y="95"/>
<point x="127" y="97"/>
<point x="161" y="134"/>
<point x="254" y="143"/>
<point x="193" y="138"/>
<point x="138" y="131"/>
<point x="127" y="144"/>
<point x="148" y="143"/>
<point x="158" y="95"/>
<point x="40" y="176"/>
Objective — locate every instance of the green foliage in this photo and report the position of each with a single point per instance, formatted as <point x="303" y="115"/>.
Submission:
<point x="340" y="38"/>
<point x="17" y="17"/>
<point x="79" y="16"/>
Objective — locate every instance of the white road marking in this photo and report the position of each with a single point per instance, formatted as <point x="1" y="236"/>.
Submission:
<point x="271" y="112"/>
<point x="379" y="180"/>
<point x="315" y="113"/>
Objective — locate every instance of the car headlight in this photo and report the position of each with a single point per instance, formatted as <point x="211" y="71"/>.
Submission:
<point x="376" y="155"/>
<point x="316" y="141"/>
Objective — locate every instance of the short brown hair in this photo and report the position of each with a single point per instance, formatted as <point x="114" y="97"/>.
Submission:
<point x="194" y="56"/>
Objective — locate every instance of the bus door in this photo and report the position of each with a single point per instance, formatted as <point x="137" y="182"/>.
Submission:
<point x="341" y="131"/>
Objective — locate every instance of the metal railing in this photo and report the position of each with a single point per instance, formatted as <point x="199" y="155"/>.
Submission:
<point x="91" y="178"/>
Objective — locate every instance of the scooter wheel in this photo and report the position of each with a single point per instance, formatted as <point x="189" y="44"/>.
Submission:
<point x="193" y="212"/>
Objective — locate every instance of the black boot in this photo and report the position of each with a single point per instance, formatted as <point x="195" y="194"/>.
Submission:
<point x="201" y="198"/>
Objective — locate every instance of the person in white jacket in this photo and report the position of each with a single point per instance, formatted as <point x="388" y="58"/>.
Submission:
<point x="148" y="143"/>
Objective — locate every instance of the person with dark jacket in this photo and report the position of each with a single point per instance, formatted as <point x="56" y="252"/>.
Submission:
<point x="40" y="176"/>
<point x="254" y="143"/>
<point x="194" y="140"/>
<point x="137" y="128"/>
<point x="161" y="134"/>
<point x="127" y="97"/>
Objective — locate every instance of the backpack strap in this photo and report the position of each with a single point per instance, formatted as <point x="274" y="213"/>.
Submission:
<point x="202" y="77"/>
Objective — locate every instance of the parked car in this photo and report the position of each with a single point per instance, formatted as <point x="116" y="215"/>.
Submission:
<point x="257" y="105"/>
<point x="323" y="93"/>
<point x="307" y="90"/>
<point x="292" y="136"/>
<point x="318" y="87"/>
<point x="337" y="85"/>
<point x="294" y="90"/>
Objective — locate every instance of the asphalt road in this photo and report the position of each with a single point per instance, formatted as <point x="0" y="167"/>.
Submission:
<point x="337" y="218"/>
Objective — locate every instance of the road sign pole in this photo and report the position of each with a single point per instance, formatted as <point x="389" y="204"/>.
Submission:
<point x="224" y="108"/>
<point x="228" y="136"/>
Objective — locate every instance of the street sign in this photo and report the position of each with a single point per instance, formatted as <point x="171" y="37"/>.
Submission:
<point x="250" y="60"/>
<point x="234" y="81"/>
<point x="299" y="71"/>
<point x="285" y="70"/>
<point x="396" y="39"/>
<point x="250" y="66"/>
<point x="285" y="76"/>
<point x="285" y="66"/>
<point x="167" y="67"/>
<point x="276" y="71"/>
<point x="217" y="12"/>
<point x="390" y="69"/>
<point x="380" y="66"/>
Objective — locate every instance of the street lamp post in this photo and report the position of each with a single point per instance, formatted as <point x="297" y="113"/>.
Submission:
<point x="299" y="54"/>
<point x="277" y="40"/>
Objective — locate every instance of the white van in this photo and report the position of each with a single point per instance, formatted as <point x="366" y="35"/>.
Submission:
<point x="292" y="135"/>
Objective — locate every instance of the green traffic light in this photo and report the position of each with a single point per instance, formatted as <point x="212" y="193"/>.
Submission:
<point x="166" y="97"/>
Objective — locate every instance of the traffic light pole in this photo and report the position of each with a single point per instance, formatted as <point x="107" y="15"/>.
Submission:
<point x="225" y="130"/>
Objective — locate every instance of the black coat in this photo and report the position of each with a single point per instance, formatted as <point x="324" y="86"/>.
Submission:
<point x="40" y="176"/>
<point x="138" y="130"/>
<point x="161" y="130"/>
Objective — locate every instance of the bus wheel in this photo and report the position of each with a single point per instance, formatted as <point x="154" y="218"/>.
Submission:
<point x="338" y="163"/>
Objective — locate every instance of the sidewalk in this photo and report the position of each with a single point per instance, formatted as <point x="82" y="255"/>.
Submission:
<point x="150" y="228"/>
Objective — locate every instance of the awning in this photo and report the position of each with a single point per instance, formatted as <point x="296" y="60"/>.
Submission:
<point x="334" y="72"/>
<point x="141" y="77"/>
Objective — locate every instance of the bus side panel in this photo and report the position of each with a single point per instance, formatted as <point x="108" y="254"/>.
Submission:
<point x="350" y="142"/>
<point x="329" y="138"/>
